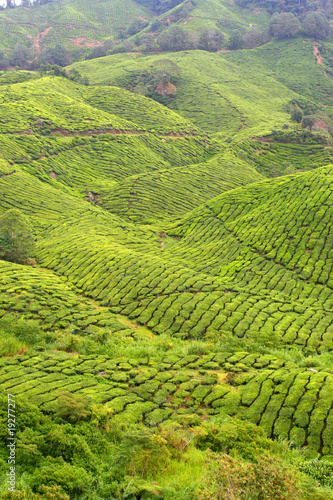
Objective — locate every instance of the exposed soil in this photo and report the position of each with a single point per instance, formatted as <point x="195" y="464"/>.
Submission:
<point x="80" y="42"/>
<point x="38" y="38"/>
<point x="316" y="53"/>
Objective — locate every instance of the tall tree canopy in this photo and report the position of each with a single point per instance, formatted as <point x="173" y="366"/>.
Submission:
<point x="316" y="25"/>
<point x="17" y="241"/>
<point x="284" y="25"/>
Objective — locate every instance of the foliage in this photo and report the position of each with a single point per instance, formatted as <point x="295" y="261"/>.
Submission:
<point x="17" y="241"/>
<point x="227" y="477"/>
<point x="316" y="25"/>
<point x="284" y="25"/>
<point x="71" y="408"/>
<point x="57" y="55"/>
<point x="136" y="25"/>
<point x="236" y="40"/>
<point x="20" y="56"/>
<point x="320" y="470"/>
<point x="176" y="39"/>
<point x="211" y="39"/>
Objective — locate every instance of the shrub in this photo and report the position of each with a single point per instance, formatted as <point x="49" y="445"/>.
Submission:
<point x="320" y="470"/>
<point x="72" y="408"/>
<point x="74" y="480"/>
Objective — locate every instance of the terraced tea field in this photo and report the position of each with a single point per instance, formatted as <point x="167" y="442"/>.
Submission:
<point x="77" y="24"/>
<point x="239" y="94"/>
<point x="288" y="402"/>
<point x="181" y="280"/>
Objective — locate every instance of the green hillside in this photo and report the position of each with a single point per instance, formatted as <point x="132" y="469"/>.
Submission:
<point x="80" y="23"/>
<point x="166" y="262"/>
<point x="239" y="93"/>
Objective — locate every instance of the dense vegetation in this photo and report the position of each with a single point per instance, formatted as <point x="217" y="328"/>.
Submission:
<point x="166" y="286"/>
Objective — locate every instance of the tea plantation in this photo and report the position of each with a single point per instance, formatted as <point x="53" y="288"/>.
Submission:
<point x="170" y="334"/>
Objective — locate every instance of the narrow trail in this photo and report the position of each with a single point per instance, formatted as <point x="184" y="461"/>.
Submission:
<point x="38" y="38"/>
<point x="318" y="57"/>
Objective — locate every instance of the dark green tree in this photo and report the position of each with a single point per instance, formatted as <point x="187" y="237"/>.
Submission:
<point x="54" y="55"/>
<point x="284" y="25"/>
<point x="211" y="39"/>
<point x="136" y="25"/>
<point x="236" y="40"/>
<point x="316" y="25"/>
<point x="155" y="25"/>
<point x="174" y="39"/>
<point x="20" y="55"/>
<point x="3" y="60"/>
<point x="148" y="41"/>
<point x="17" y="240"/>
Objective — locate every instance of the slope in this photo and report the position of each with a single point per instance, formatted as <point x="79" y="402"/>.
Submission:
<point x="78" y="23"/>
<point x="239" y="93"/>
<point x="171" y="193"/>
<point x="57" y="103"/>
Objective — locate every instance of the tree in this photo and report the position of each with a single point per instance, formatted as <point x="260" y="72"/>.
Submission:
<point x="155" y="25"/>
<point x="174" y="40"/>
<point x="236" y="40"/>
<point x="284" y="25"/>
<point x="20" y="55"/>
<point x="54" y="55"/>
<point x="17" y="241"/>
<point x="3" y="60"/>
<point x="254" y="38"/>
<point x="316" y="25"/>
<point x="148" y="41"/>
<point x="211" y="39"/>
<point x="136" y="25"/>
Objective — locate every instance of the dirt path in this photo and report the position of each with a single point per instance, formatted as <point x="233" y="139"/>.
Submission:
<point x="38" y="38"/>
<point x="316" y="53"/>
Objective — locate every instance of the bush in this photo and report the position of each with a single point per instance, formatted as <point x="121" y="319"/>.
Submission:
<point x="72" y="408"/>
<point x="320" y="470"/>
<point x="74" y="480"/>
<point x="136" y="25"/>
<point x="226" y="477"/>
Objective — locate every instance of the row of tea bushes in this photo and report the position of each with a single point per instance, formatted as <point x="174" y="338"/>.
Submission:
<point x="288" y="402"/>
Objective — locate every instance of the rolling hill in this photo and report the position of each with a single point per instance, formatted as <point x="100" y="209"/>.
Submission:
<point x="240" y="93"/>
<point x="171" y="333"/>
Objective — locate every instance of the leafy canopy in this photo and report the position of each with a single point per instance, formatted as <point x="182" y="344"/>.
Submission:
<point x="17" y="241"/>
